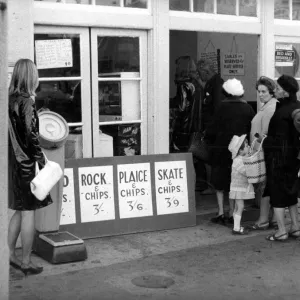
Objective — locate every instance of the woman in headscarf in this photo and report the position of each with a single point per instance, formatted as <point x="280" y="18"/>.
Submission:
<point x="281" y="148"/>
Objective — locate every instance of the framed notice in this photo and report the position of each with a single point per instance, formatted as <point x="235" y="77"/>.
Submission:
<point x="96" y="192"/>
<point x="284" y="55"/>
<point x="171" y="187"/>
<point x="134" y="189"/>
<point x="234" y="64"/>
<point x="68" y="215"/>
<point x="51" y="54"/>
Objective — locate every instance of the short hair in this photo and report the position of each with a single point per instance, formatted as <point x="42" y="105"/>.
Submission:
<point x="24" y="78"/>
<point x="185" y="65"/>
<point x="205" y="63"/>
<point x="268" y="83"/>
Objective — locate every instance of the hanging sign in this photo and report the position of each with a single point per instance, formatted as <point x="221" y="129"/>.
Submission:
<point x="213" y="56"/>
<point x="171" y="187"/>
<point x="96" y="192"/>
<point x="68" y="215"/>
<point x="134" y="189"/>
<point x="234" y="64"/>
<point x="54" y="54"/>
<point x="284" y="55"/>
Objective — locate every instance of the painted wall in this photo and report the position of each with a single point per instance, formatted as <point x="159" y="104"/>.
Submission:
<point x="247" y="44"/>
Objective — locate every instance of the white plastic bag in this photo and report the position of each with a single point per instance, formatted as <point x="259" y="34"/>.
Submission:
<point x="45" y="179"/>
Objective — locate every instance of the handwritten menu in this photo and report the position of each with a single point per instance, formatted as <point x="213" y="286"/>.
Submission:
<point x="54" y="54"/>
<point x="171" y="187"/>
<point x="96" y="193"/>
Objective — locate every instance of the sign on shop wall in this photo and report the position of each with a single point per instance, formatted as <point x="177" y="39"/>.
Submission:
<point x="213" y="56"/>
<point x="234" y="64"/>
<point x="117" y="195"/>
<point x="284" y="55"/>
<point x="54" y="54"/>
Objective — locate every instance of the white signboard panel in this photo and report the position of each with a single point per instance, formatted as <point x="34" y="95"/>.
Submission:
<point x="234" y="64"/>
<point x="96" y="192"/>
<point x="134" y="189"/>
<point x="171" y="187"/>
<point x="53" y="54"/>
<point x="284" y="55"/>
<point x="68" y="214"/>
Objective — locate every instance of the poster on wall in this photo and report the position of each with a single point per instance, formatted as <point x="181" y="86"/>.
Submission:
<point x="68" y="215"/>
<point x="134" y="188"/>
<point x="284" y="55"/>
<point x="171" y="187"/>
<point x="214" y="56"/>
<point x="52" y="54"/>
<point x="96" y="192"/>
<point x="234" y="64"/>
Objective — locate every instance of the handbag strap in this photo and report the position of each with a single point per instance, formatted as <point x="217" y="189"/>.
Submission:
<point x="260" y="144"/>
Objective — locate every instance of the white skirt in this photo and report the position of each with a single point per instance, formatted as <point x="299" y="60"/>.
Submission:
<point x="241" y="195"/>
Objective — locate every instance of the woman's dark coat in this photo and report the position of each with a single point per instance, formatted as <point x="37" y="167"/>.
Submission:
<point x="24" y="150"/>
<point x="281" y="149"/>
<point x="233" y="117"/>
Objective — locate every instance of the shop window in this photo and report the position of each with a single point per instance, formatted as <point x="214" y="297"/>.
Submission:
<point x="246" y="8"/>
<point x="296" y="9"/>
<point x="283" y="9"/>
<point x="122" y="3"/>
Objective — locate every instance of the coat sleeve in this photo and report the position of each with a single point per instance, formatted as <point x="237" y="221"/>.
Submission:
<point x="30" y="125"/>
<point x="266" y="120"/>
<point x="217" y="94"/>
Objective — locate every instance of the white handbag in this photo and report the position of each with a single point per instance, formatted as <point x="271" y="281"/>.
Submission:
<point x="45" y="179"/>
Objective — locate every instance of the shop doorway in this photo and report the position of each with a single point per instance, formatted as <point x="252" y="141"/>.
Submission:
<point x="97" y="80"/>
<point x="224" y="50"/>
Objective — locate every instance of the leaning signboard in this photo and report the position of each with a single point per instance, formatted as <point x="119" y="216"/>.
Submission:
<point x="127" y="194"/>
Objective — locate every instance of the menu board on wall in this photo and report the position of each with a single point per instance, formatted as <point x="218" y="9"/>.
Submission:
<point x="234" y="64"/>
<point x="68" y="215"/>
<point x="171" y="187"/>
<point x="214" y="56"/>
<point x="51" y="54"/>
<point x="134" y="189"/>
<point x="96" y="193"/>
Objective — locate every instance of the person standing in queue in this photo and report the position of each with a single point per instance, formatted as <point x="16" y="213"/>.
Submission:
<point x="266" y="89"/>
<point x="24" y="152"/>
<point x="233" y="117"/>
<point x="281" y="147"/>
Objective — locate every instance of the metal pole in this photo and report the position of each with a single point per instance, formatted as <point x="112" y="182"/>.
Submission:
<point x="4" y="267"/>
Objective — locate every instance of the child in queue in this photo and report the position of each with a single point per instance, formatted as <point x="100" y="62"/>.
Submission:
<point x="240" y="188"/>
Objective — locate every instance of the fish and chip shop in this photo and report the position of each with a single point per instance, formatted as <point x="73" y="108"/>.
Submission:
<point x="107" y="67"/>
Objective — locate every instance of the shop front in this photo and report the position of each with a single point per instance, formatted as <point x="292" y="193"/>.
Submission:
<point x="108" y="66"/>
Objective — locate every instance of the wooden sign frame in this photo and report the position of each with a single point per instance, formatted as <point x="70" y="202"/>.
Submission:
<point x="120" y="226"/>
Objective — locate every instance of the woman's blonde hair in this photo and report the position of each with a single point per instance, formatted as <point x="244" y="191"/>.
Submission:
<point x="25" y="78"/>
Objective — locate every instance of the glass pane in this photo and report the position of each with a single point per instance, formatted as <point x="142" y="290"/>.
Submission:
<point x="68" y="1"/>
<point x="281" y="9"/>
<point x="182" y="5"/>
<point x="119" y="100"/>
<point x="206" y="6"/>
<point x="296" y="9"/>
<point x="226" y="7"/>
<point x="136" y="3"/>
<point x="73" y="146"/>
<point x="108" y="2"/>
<point x="62" y="97"/>
<point x="122" y="140"/>
<point x="118" y="54"/>
<point x="57" y="55"/>
<point x="248" y="8"/>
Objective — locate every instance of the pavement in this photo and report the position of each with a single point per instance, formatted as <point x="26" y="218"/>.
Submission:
<point x="205" y="252"/>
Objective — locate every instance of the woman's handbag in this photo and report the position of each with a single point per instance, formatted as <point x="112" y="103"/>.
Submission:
<point x="45" y="179"/>
<point x="255" y="164"/>
<point x="198" y="147"/>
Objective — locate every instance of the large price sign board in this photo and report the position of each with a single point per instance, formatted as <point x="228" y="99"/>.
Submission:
<point x="127" y="194"/>
<point x="171" y="187"/>
<point x="134" y="187"/>
<point x="96" y="193"/>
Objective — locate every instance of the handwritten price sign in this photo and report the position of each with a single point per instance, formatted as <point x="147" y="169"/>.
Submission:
<point x="96" y="193"/>
<point x="171" y="187"/>
<point x="134" y="188"/>
<point x="68" y="215"/>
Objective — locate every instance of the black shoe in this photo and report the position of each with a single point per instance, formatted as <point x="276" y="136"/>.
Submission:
<point x="230" y="220"/>
<point x="31" y="270"/>
<point x="219" y="220"/>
